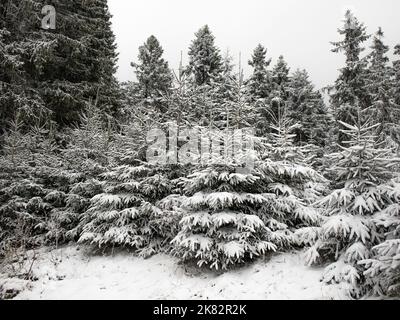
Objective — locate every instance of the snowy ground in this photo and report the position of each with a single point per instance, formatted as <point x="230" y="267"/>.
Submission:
<point x="69" y="273"/>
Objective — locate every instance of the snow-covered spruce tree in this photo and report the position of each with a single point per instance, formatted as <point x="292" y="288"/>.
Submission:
<point x="235" y="217"/>
<point x="28" y="192"/>
<point x="278" y="97"/>
<point x="288" y="175"/>
<point x="239" y="112"/>
<point x="395" y="93"/>
<point x="205" y="61"/>
<point x="259" y="83"/>
<point x="349" y="88"/>
<point x="75" y="181"/>
<point x="307" y="108"/>
<point x="259" y="87"/>
<point x="396" y="69"/>
<point x="16" y="90"/>
<point x="379" y="85"/>
<point x="221" y="227"/>
<point x="180" y="101"/>
<point x="383" y="268"/>
<point x="222" y="92"/>
<point x="13" y="163"/>
<point x="153" y="73"/>
<point x="45" y="77"/>
<point x="126" y="215"/>
<point x="347" y="234"/>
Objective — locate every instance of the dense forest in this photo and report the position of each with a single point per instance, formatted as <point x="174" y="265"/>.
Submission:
<point x="74" y="149"/>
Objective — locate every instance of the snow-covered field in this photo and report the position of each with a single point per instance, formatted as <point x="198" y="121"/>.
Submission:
<point x="69" y="273"/>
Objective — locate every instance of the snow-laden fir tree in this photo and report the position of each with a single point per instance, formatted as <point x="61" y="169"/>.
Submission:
<point x="84" y="159"/>
<point x="395" y="93"/>
<point x="16" y="59"/>
<point x="383" y="268"/>
<point x="349" y="88"/>
<point x="396" y="69"/>
<point x="292" y="185"/>
<point x="54" y="73"/>
<point x="126" y="215"/>
<point x="279" y="94"/>
<point x="221" y="227"/>
<point x="205" y="61"/>
<point x="240" y="111"/>
<point x="259" y="82"/>
<point x="362" y="171"/>
<point x="280" y="72"/>
<point x="181" y="100"/>
<point x="210" y="103"/>
<point x="153" y="73"/>
<point x="233" y="217"/>
<point x="29" y="188"/>
<point x="307" y="108"/>
<point x="379" y="85"/>
<point x="259" y="87"/>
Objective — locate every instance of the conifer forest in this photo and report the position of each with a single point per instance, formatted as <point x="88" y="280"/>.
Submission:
<point x="199" y="180"/>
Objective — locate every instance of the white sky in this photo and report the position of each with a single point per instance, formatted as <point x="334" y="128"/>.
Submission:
<point x="299" y="29"/>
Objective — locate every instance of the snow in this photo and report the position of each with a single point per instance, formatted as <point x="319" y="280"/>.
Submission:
<point x="70" y="273"/>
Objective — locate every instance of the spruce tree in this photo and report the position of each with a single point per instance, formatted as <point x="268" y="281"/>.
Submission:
<point x="395" y="93"/>
<point x="259" y="87"/>
<point x="126" y="215"/>
<point x="349" y="88"/>
<point x="152" y="71"/>
<point x="379" y="84"/>
<point x="306" y="107"/>
<point x="362" y="173"/>
<point x="230" y="218"/>
<point x="205" y="61"/>
<point x="280" y="73"/>
<point x="279" y="94"/>
<point x="383" y="268"/>
<point x="55" y="73"/>
<point x="259" y="83"/>
<point x="220" y="228"/>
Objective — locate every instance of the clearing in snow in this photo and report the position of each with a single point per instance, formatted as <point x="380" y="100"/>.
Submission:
<point x="70" y="273"/>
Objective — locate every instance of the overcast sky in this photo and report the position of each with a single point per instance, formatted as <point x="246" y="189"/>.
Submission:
<point x="298" y="29"/>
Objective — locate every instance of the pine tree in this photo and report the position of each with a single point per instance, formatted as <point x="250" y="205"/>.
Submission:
<point x="347" y="234"/>
<point x="307" y="108"/>
<point x="205" y="61"/>
<point x="152" y="71"/>
<point x="349" y="88"/>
